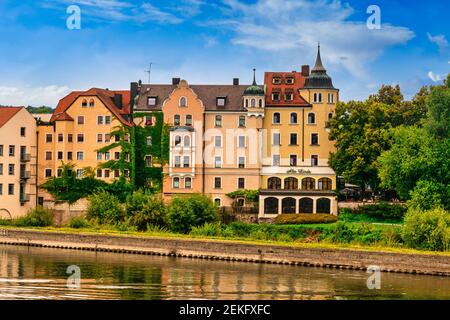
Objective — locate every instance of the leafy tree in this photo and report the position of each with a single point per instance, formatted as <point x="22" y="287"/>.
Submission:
<point x="438" y="115"/>
<point x="105" y="208"/>
<point x="387" y="94"/>
<point x="145" y="209"/>
<point x="429" y="194"/>
<point x="40" y="110"/>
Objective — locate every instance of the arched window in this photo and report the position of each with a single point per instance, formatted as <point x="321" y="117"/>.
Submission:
<point x="330" y="116"/>
<point x="246" y="103"/>
<point x="323" y="205"/>
<point x="325" y="184"/>
<point x="177" y="141"/>
<point x="84" y="103"/>
<point x="288" y="205"/>
<point x="183" y="102"/>
<point x="306" y="205"/>
<point x="218" y="121"/>
<point x="274" y="183"/>
<point x="271" y="205"/>
<point x="188" y="120"/>
<point x="187" y="141"/>
<point x="91" y="103"/>
<point x="218" y="202"/>
<point x="291" y="183"/>
<point x="176" y="120"/>
<point x="176" y="182"/>
<point x="311" y="118"/>
<point x="293" y="117"/>
<point x="187" y="183"/>
<point x="308" y="184"/>
<point x="260" y="103"/>
<point x="276" y="118"/>
<point x="253" y="103"/>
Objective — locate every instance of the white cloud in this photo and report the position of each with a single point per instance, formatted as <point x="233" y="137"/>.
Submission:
<point x="148" y="12"/>
<point x="435" y="77"/>
<point x="297" y="25"/>
<point x="439" y="40"/>
<point x="33" y="96"/>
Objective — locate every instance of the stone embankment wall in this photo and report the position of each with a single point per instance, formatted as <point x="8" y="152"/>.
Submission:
<point x="432" y="264"/>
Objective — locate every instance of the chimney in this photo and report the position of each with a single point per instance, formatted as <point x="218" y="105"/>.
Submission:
<point x="305" y="70"/>
<point x="118" y="100"/>
<point x="235" y="81"/>
<point x="175" y="81"/>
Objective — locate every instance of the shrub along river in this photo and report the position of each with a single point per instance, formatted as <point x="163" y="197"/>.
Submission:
<point x="40" y="273"/>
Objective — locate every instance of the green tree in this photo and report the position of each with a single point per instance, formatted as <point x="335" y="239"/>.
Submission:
<point x="145" y="209"/>
<point x="428" y="195"/>
<point x="105" y="208"/>
<point x="438" y="115"/>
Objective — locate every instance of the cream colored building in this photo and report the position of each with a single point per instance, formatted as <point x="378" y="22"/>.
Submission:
<point x="18" y="149"/>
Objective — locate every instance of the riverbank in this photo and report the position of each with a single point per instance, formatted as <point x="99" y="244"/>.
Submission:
<point x="229" y="250"/>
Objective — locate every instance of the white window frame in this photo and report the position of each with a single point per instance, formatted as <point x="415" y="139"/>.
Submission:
<point x="214" y="183"/>
<point x="184" y="183"/>
<point x="318" y="142"/>
<point x="215" y="161"/>
<point x="317" y="160"/>
<point x="239" y="142"/>
<point x="245" y="161"/>
<point x="237" y="183"/>
<point x="315" y="119"/>
<point x="279" y="139"/>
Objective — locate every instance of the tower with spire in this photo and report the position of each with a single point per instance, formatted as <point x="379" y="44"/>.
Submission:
<point x="253" y="98"/>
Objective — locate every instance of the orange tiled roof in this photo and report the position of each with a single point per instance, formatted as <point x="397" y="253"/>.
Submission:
<point x="299" y="83"/>
<point x="6" y="113"/>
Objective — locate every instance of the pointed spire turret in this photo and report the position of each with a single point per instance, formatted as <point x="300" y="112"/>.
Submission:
<point x="254" y="77"/>
<point x="318" y="67"/>
<point x="254" y="89"/>
<point x="318" y="79"/>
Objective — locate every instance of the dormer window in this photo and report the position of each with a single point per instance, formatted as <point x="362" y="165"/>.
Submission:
<point x="148" y="120"/>
<point x="91" y="103"/>
<point x="84" y="103"/>
<point x="290" y="80"/>
<point x="220" y="101"/>
<point x="289" y="97"/>
<point x="276" y="80"/>
<point x="275" y="96"/>
<point x="151" y="101"/>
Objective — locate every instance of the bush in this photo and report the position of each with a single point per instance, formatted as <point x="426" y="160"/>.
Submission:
<point x="383" y="210"/>
<point x="195" y="210"/>
<point x="207" y="230"/>
<point x="105" y="208"/>
<point x="37" y="217"/>
<point x="428" y="195"/>
<point x="144" y="209"/>
<point x="427" y="229"/>
<point x="79" y="223"/>
<point x="305" y="218"/>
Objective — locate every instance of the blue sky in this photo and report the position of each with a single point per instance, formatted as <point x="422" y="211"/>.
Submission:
<point x="213" y="41"/>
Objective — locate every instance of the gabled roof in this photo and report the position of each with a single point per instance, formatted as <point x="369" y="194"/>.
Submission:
<point x="106" y="96"/>
<point x="6" y="113"/>
<point x="282" y="88"/>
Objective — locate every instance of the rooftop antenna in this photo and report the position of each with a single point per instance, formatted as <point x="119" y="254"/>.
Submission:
<point x="149" y="71"/>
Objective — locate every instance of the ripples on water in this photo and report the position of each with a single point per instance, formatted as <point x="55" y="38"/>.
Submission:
<point x="39" y="273"/>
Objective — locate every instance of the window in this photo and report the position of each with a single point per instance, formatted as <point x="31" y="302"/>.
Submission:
<point x="99" y="137"/>
<point x="274" y="183"/>
<point x="314" y="160"/>
<point x="70" y="155"/>
<point x="1" y="189"/>
<point x="293" y="118"/>
<point x="291" y="183"/>
<point x="218" y="122"/>
<point x="276" y="139"/>
<point x="241" y="141"/>
<point x="289" y="80"/>
<point x="187" y="183"/>
<point x="12" y="151"/>
<point x="70" y="138"/>
<point x="217" y="162"/>
<point x="49" y="138"/>
<point x="315" y="139"/>
<point x="80" y="155"/>
<point x="11" y="169"/>
<point x="107" y="119"/>
<point x="99" y="173"/>
<point x="80" y="138"/>
<point x="186" y="162"/>
<point x="293" y="160"/>
<point x="151" y="101"/>
<point x="116" y="155"/>
<point x="276" y="118"/>
<point x="99" y="156"/>
<point x="241" y="183"/>
<point x="246" y="103"/>
<point x="217" y="202"/>
<point x="186" y="141"/>
<point x="241" y="121"/>
<point x="276" y="80"/>
<point x="100" y="120"/>
<point x="311" y="118"/>
<point x="59" y="173"/>
<point x="60" y="155"/>
<point x="126" y="172"/>
<point x="176" y="182"/>
<point x="60" y="137"/>
<point x="91" y="103"/>
<point x="317" y="97"/>
<point x="107" y="156"/>
<point x="217" y="183"/>
<point x="188" y="120"/>
<point x="330" y="98"/>
<point x="276" y="160"/>
<point x="218" y="141"/>
<point x="253" y="103"/>
<point x="80" y="173"/>
<point x="148" y="161"/>
<point x="149" y="140"/>
<point x="276" y="96"/>
<point x="176" y="120"/>
<point x="183" y="102"/>
<point x="48" y="173"/>
<point x="116" y="138"/>
<point x="293" y="139"/>
<point x="11" y="189"/>
<point x="330" y="116"/>
<point x="177" y="161"/>
<point x="48" y="155"/>
<point x="1" y="150"/>
<point x="84" y="103"/>
<point x="325" y="184"/>
<point x="106" y="173"/>
<point x="80" y="120"/>
<point x="308" y="184"/>
<point x="221" y="101"/>
<point x="116" y="173"/>
<point x="148" y="120"/>
<point x="288" y="96"/>
<point x="1" y="169"/>
<point x="107" y="137"/>
<point x="177" y="141"/>
<point x="22" y="131"/>
<point x="260" y="103"/>
<point x="241" y="162"/>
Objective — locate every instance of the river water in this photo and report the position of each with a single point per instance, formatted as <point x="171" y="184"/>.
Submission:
<point x="40" y="273"/>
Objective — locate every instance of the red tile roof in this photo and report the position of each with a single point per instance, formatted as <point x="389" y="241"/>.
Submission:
<point x="106" y="96"/>
<point x="6" y="113"/>
<point x="299" y="83"/>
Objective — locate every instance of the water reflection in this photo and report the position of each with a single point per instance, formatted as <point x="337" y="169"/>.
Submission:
<point x="38" y="273"/>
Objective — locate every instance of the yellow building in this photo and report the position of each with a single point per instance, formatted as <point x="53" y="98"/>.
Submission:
<point x="17" y="162"/>
<point x="296" y="177"/>
<point x="80" y="125"/>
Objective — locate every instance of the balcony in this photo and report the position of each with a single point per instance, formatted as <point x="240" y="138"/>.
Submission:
<point x="24" y="175"/>
<point x="25" y="198"/>
<point x="25" y="157"/>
